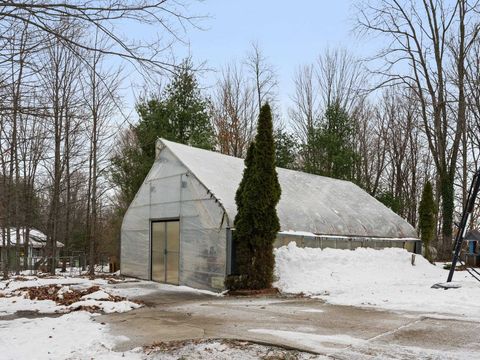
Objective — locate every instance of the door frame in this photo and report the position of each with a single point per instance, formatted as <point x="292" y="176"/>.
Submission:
<point x="163" y="220"/>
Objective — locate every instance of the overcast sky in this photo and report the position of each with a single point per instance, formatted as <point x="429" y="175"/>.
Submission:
<point x="290" y="33"/>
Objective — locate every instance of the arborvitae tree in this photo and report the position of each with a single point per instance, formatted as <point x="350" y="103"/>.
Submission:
<point x="247" y="171"/>
<point x="256" y="223"/>
<point x="242" y="250"/>
<point x="427" y="221"/>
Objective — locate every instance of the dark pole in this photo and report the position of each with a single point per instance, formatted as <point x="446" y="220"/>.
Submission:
<point x="467" y="211"/>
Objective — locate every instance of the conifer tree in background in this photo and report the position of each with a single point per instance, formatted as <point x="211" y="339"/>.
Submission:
<point x="181" y="114"/>
<point x="330" y="149"/>
<point x="256" y="223"/>
<point x="427" y="221"/>
<point x="286" y="147"/>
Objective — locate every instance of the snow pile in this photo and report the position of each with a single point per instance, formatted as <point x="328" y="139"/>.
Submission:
<point x="71" y="336"/>
<point x="60" y="295"/>
<point x="12" y="304"/>
<point x="368" y="277"/>
<point x="106" y="306"/>
<point x="33" y="281"/>
<point x="97" y="295"/>
<point x="64" y="333"/>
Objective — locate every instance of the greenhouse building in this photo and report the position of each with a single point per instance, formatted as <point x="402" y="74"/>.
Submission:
<point x="178" y="229"/>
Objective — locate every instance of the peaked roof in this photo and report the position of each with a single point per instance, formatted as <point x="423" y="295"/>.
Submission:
<point x="37" y="239"/>
<point x="473" y="235"/>
<point x="313" y="203"/>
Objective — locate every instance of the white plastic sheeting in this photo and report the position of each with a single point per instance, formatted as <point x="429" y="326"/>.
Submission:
<point x="311" y="203"/>
<point x="198" y="188"/>
<point x="171" y="192"/>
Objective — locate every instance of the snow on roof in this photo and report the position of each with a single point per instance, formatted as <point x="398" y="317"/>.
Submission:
<point x="37" y="239"/>
<point x="309" y="203"/>
<point x="473" y="235"/>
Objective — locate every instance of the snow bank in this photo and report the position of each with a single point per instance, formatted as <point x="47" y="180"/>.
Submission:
<point x="11" y="305"/>
<point x="97" y="295"/>
<point x="107" y="307"/>
<point x="14" y="298"/>
<point x="368" y="277"/>
<point x="71" y="336"/>
<point x="33" y="281"/>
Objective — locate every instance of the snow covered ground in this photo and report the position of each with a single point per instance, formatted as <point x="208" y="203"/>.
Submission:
<point x="66" y="325"/>
<point x="382" y="279"/>
<point x="78" y="336"/>
<point x="53" y="326"/>
<point x="14" y="295"/>
<point x="56" y="329"/>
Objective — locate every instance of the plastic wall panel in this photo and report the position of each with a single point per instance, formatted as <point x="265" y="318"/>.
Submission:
<point x="195" y="189"/>
<point x="165" y="211"/>
<point x="202" y="213"/>
<point x="309" y="241"/>
<point x="203" y="245"/>
<point x="343" y="242"/>
<point x="170" y="192"/>
<point x="203" y="258"/>
<point x="165" y="190"/>
<point x="143" y="196"/>
<point x="135" y="251"/>
<point x="167" y="165"/>
<point x="137" y="218"/>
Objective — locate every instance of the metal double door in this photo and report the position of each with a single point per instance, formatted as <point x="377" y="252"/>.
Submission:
<point x="165" y="242"/>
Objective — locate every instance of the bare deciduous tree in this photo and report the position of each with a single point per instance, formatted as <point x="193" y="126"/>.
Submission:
<point x="167" y="19"/>
<point x="433" y="38"/>
<point x="101" y="100"/>
<point x="341" y="79"/>
<point x="234" y="115"/>
<point x="306" y="109"/>
<point x="264" y="76"/>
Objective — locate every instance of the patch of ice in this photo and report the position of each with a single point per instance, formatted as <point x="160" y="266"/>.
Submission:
<point x="320" y="343"/>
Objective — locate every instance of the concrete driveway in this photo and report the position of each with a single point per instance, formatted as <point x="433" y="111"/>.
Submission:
<point x="310" y="325"/>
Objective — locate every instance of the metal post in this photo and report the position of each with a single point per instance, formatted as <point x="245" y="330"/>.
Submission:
<point x="469" y="207"/>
